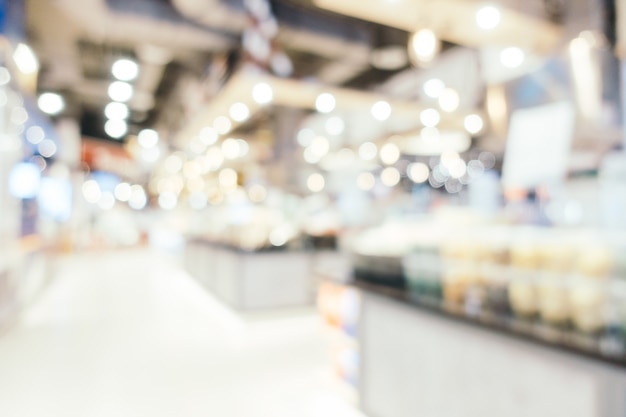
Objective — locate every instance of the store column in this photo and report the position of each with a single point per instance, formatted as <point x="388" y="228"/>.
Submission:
<point x="621" y="53"/>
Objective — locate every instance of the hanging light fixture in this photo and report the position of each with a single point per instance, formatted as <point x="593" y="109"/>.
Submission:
<point x="424" y="46"/>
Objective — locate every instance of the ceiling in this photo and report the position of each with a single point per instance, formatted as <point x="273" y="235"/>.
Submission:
<point x="77" y="41"/>
<point x="187" y="48"/>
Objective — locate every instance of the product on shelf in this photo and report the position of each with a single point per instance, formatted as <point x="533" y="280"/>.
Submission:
<point x="423" y="269"/>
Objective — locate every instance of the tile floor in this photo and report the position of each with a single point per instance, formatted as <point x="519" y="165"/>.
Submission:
<point x="130" y="334"/>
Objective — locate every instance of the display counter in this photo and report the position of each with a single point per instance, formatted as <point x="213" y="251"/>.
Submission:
<point x="420" y="358"/>
<point x="248" y="280"/>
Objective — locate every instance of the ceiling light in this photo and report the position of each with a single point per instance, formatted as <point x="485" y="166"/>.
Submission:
<point x="488" y="17"/>
<point x="228" y="178"/>
<point x="106" y="201"/>
<point x="512" y="57"/>
<point x="423" y="46"/>
<point x="214" y="158"/>
<point x="449" y="100"/>
<point x="389" y="154"/>
<point x="116" y="111"/>
<point x="25" y="59"/>
<point x="473" y="123"/>
<point x="148" y="138"/>
<point x="230" y="148"/>
<point x="430" y="117"/>
<point x="208" y="136"/>
<point x="51" y="103"/>
<point x="47" y="148"/>
<point x="335" y="126"/>
<point x="91" y="191"/>
<point x="434" y="87"/>
<point x="120" y="91"/>
<point x="123" y="191"/>
<point x="262" y="93"/>
<point x="257" y="193"/>
<point x="19" y="115"/>
<point x="366" y="181"/>
<point x="5" y="76"/>
<point x="310" y="156"/>
<point x="125" y="69"/>
<point x="381" y="110"/>
<point x="239" y="112"/>
<point x="244" y="148"/>
<point x="368" y="151"/>
<point x="390" y="176"/>
<point x="316" y="182"/>
<point x="222" y="125"/>
<point x="35" y="134"/>
<point x="138" y="198"/>
<point x="457" y="168"/>
<point x="320" y="146"/>
<point x="418" y="172"/>
<point x="168" y="200"/>
<point x="173" y="164"/>
<point x="116" y="128"/>
<point x="325" y="103"/>
<point x="305" y="137"/>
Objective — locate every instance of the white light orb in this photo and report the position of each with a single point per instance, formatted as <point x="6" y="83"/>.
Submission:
<point x="116" y="111"/>
<point x="434" y="87"/>
<point x="390" y="176"/>
<point x="325" y="103"/>
<point x="116" y="128"/>
<point x="473" y="123"/>
<point x="381" y="110"/>
<point x="488" y="17"/>
<point x="418" y="172"/>
<point x="366" y="181"/>
<point x="335" y="126"/>
<point x="389" y="153"/>
<point x="449" y="100"/>
<point x="51" y="103"/>
<point x="239" y="112"/>
<point x="512" y="57"/>
<point x="262" y="93"/>
<point x="430" y="117"/>
<point x="368" y="151"/>
<point x="316" y="182"/>
<point x="148" y="138"/>
<point x="120" y="91"/>
<point x="125" y="69"/>
<point x="123" y="191"/>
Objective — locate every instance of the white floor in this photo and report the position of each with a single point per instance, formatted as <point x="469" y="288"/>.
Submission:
<point x="129" y="334"/>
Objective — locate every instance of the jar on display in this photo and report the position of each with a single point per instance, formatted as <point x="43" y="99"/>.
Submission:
<point x="522" y="293"/>
<point x="423" y="270"/>
<point x="588" y="296"/>
<point x="555" y="261"/>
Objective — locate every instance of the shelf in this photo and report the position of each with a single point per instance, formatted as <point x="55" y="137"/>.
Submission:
<point x="610" y="350"/>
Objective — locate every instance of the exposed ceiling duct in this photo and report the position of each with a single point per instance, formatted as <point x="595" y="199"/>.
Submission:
<point x="78" y="40"/>
<point x="302" y="29"/>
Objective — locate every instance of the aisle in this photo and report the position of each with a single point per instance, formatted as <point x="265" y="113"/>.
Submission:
<point x="129" y="334"/>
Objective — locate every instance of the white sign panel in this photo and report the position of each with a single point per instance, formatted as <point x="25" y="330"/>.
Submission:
<point x="538" y="145"/>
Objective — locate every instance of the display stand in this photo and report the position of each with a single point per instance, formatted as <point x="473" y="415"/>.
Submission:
<point x="252" y="280"/>
<point x="416" y="362"/>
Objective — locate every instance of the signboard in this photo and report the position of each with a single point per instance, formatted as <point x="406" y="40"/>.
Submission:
<point x="538" y="145"/>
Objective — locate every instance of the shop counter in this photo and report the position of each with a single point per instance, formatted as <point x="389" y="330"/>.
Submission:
<point x="252" y="280"/>
<point x="419" y="359"/>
